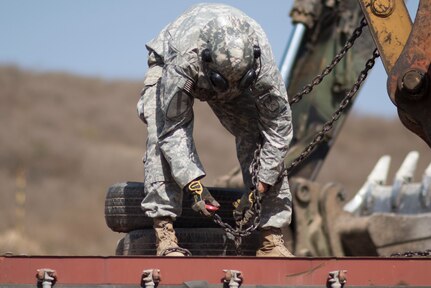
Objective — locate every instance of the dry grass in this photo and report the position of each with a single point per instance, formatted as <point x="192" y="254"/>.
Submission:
<point x="73" y="137"/>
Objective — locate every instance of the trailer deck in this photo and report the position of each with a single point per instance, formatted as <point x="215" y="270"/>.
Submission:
<point x="20" y="271"/>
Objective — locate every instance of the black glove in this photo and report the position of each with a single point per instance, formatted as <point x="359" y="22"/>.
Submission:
<point x="243" y="205"/>
<point x="204" y="202"/>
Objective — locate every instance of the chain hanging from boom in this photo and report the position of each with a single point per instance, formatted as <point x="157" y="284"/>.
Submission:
<point x="320" y="136"/>
<point x="328" y="69"/>
<point x="240" y="231"/>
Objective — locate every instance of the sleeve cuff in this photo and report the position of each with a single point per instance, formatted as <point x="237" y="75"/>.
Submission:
<point x="187" y="175"/>
<point x="269" y="177"/>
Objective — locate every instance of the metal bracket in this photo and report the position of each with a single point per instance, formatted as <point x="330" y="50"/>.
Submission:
<point x="336" y="279"/>
<point x="46" y="278"/>
<point x="150" y="278"/>
<point x="232" y="278"/>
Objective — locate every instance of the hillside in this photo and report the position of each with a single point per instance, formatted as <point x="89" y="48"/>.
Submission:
<point x="65" y="139"/>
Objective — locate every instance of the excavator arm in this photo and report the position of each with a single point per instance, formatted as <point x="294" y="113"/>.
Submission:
<point x="405" y="50"/>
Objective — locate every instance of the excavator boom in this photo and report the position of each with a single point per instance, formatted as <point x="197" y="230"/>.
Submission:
<point x="406" y="54"/>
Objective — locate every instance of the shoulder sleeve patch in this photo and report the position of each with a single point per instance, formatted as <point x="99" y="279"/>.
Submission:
<point x="271" y="103"/>
<point x="179" y="105"/>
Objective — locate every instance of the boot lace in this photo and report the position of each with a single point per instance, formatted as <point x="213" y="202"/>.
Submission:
<point x="166" y="236"/>
<point x="278" y="239"/>
<point x="171" y="243"/>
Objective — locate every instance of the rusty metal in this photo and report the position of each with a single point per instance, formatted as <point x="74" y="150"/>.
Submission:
<point x="46" y="277"/>
<point x="414" y="82"/>
<point x="284" y="272"/>
<point x="406" y="55"/>
<point x="150" y="278"/>
<point x="408" y="81"/>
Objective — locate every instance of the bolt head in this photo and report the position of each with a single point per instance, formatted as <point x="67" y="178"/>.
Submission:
<point x="382" y="8"/>
<point x="303" y="194"/>
<point x="413" y="82"/>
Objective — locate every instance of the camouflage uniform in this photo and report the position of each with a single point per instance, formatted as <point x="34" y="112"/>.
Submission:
<point x="177" y="76"/>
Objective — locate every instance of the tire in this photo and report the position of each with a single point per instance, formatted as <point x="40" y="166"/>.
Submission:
<point x="123" y="207"/>
<point x="120" y="247"/>
<point x="199" y="241"/>
<point x="123" y="211"/>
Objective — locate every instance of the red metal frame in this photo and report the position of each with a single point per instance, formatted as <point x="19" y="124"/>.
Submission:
<point x="256" y="271"/>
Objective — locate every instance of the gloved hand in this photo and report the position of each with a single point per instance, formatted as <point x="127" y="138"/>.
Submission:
<point x="243" y="205"/>
<point x="204" y="202"/>
<point x="262" y="187"/>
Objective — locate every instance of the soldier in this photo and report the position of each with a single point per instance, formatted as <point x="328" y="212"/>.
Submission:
<point x="214" y="53"/>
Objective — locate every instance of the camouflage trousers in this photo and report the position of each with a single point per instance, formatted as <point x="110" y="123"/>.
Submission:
<point x="163" y="197"/>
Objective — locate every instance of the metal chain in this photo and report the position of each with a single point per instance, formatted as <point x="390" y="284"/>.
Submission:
<point x="237" y="233"/>
<point x="426" y="253"/>
<point x="328" y="69"/>
<point x="183" y="251"/>
<point x="320" y="136"/>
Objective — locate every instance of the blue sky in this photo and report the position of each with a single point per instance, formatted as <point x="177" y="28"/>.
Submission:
<point x="106" y="38"/>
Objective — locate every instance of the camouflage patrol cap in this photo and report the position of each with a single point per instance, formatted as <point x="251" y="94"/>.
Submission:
<point x="230" y="41"/>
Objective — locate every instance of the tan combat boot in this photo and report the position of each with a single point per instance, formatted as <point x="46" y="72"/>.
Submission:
<point x="272" y="244"/>
<point x="166" y="241"/>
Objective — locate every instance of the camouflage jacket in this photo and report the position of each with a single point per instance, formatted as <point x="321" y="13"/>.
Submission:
<point x="179" y="45"/>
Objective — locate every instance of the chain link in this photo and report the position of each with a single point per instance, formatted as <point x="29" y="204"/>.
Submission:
<point x="243" y="228"/>
<point x="183" y="251"/>
<point x="426" y="253"/>
<point x="236" y="234"/>
<point x="320" y="136"/>
<point x="328" y="69"/>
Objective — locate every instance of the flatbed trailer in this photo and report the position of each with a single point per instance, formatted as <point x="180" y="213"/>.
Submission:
<point x="118" y="271"/>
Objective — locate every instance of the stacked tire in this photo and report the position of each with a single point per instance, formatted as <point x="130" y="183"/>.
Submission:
<point x="199" y="234"/>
